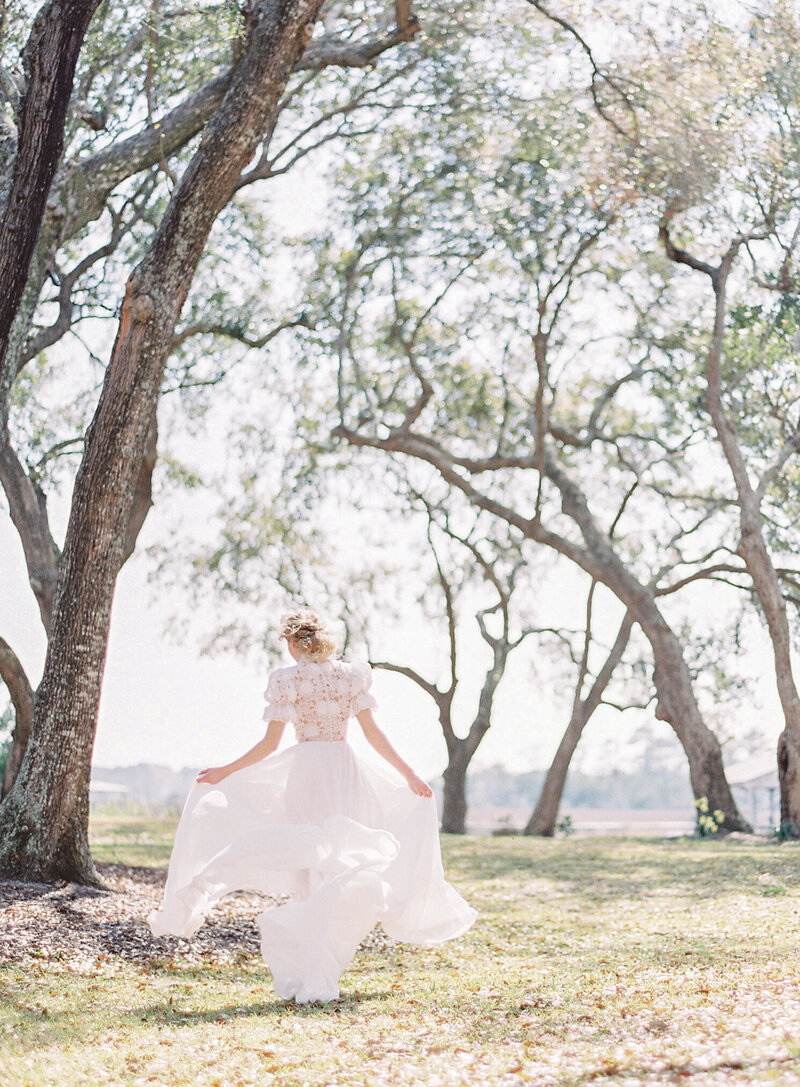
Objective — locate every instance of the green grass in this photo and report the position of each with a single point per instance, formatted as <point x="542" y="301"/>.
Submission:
<point x="605" y="961"/>
<point x="121" y="838"/>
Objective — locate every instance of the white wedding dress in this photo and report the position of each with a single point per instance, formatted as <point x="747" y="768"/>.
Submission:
<point x="345" y="837"/>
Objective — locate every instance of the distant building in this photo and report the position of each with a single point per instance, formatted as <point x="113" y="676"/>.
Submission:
<point x="754" y="782"/>
<point x="100" y="791"/>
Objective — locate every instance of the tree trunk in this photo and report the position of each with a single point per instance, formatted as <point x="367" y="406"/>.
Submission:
<point x="754" y="551"/>
<point x="677" y="706"/>
<point x="454" y="806"/>
<point x="43" y="821"/>
<point x="789" y="777"/>
<point x="676" y="703"/>
<point x="21" y="692"/>
<point x="461" y="750"/>
<point x="752" y="545"/>
<point x="542" y="822"/>
<point x="543" y="818"/>
<point x="48" y="62"/>
<point x="27" y="508"/>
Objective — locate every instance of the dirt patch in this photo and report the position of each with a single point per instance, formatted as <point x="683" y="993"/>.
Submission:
<point x="71" y="923"/>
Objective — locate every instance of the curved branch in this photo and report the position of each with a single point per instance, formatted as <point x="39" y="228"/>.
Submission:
<point x="680" y="256"/>
<point x="597" y="74"/>
<point x="27" y="508"/>
<point x="215" y="328"/>
<point x="710" y="572"/>
<point x="90" y="181"/>
<point x="13" y="675"/>
<point x="431" y="689"/>
<point x="330" y="50"/>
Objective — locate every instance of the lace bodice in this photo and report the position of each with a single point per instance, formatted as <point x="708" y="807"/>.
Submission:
<point x="319" y="697"/>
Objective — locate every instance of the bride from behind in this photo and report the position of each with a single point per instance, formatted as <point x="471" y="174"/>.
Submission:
<point x="352" y="841"/>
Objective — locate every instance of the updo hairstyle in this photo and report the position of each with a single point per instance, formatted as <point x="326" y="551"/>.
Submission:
<point x="310" y="633"/>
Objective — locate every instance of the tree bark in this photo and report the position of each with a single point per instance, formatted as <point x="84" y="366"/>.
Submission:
<point x="48" y="60"/>
<point x="142" y="492"/>
<point x="43" y="821"/>
<point x="13" y="675"/>
<point x="759" y="564"/>
<point x="454" y="806"/>
<point x="26" y="506"/>
<point x="543" y="818"/>
<point x="29" y="515"/>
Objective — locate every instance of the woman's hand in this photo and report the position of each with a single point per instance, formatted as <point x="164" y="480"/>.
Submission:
<point x="212" y="775"/>
<point x="418" y="786"/>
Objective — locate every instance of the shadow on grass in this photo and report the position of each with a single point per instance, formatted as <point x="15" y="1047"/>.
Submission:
<point x="39" y="1028"/>
<point x="167" y="1014"/>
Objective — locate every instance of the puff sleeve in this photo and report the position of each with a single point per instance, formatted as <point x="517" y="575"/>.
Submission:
<point x="362" y="681"/>
<point x="280" y="698"/>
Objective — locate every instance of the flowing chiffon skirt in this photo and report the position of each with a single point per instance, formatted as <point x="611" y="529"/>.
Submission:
<point x="342" y="835"/>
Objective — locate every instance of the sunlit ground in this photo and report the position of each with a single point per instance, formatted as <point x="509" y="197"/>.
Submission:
<point x="602" y="961"/>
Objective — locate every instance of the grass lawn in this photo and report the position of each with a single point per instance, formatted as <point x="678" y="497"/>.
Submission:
<point x="602" y="961"/>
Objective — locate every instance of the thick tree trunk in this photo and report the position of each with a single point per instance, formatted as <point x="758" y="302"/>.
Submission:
<point x="543" y="818"/>
<point x="454" y="806"/>
<point x="676" y="704"/>
<point x="27" y="508"/>
<point x="48" y="62"/>
<point x="43" y="821"/>
<point x="789" y="777"/>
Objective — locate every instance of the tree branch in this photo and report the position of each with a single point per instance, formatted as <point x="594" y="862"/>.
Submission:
<point x="708" y="572"/>
<point x="13" y="675"/>
<point x="215" y="328"/>
<point x="27" y="508"/>
<point x="429" y="688"/>
<point x="598" y="74"/>
<point x="680" y="256"/>
<point x="331" y="50"/>
<point x="49" y="60"/>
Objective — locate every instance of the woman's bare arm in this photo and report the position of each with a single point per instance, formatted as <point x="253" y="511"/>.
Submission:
<point x="378" y="740"/>
<point x="272" y="737"/>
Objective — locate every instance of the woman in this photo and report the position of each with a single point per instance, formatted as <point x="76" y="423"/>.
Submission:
<point x="352" y="842"/>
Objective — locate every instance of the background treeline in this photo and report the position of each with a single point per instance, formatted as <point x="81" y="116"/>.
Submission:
<point x="491" y="786"/>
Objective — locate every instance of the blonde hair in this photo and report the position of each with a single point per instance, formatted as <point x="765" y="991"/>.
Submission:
<point x="310" y="632"/>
